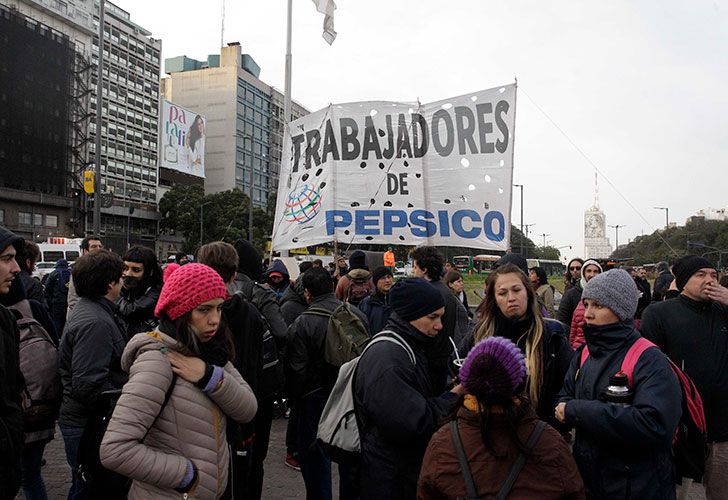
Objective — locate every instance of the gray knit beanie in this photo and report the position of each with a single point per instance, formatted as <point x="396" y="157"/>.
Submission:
<point x="616" y="290"/>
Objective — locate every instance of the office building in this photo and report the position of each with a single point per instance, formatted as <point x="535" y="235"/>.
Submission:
<point x="129" y="135"/>
<point x="44" y="100"/>
<point x="244" y="130"/>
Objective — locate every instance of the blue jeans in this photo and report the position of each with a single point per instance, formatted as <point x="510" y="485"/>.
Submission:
<point x="71" y="441"/>
<point x="33" y="486"/>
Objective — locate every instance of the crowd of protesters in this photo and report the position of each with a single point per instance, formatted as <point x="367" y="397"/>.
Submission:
<point x="164" y="382"/>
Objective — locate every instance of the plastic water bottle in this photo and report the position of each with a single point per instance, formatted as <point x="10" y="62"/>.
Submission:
<point x="618" y="391"/>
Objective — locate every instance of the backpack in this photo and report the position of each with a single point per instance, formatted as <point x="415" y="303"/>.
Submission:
<point x="346" y="335"/>
<point x="39" y="366"/>
<point x="507" y="486"/>
<point x="272" y="378"/>
<point x="689" y="445"/>
<point x="358" y="289"/>
<point x="338" y="429"/>
<point x="101" y="482"/>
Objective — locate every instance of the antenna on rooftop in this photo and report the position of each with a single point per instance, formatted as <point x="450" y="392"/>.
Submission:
<point x="596" y="191"/>
<point x="222" y="25"/>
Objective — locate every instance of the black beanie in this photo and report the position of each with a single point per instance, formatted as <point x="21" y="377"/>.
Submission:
<point x="515" y="259"/>
<point x="358" y="260"/>
<point x="8" y="238"/>
<point x="686" y="266"/>
<point x="380" y="273"/>
<point x="414" y="298"/>
<point x="248" y="260"/>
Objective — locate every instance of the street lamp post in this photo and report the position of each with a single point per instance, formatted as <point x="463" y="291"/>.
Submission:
<point x="521" y="186"/>
<point x="667" y="213"/>
<point x="201" y="226"/>
<point x="543" y="235"/>
<point x="616" y="236"/>
<point x="97" y="144"/>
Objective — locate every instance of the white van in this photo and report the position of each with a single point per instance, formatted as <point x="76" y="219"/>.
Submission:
<point x="55" y="249"/>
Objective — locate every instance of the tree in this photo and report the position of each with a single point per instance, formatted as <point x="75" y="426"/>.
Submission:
<point x="697" y="237"/>
<point x="180" y="209"/>
<point x="548" y="253"/>
<point x="224" y="216"/>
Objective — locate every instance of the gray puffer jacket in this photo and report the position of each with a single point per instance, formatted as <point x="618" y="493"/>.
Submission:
<point x="191" y="425"/>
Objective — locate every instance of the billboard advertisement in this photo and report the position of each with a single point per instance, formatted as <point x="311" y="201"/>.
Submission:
<point x="400" y="173"/>
<point x="182" y="140"/>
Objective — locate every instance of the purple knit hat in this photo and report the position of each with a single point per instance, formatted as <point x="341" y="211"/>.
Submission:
<point x="494" y="370"/>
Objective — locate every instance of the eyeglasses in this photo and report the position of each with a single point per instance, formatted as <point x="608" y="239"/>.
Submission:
<point x="574" y="268"/>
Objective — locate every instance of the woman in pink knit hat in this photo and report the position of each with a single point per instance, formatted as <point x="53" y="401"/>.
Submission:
<point x="167" y="432"/>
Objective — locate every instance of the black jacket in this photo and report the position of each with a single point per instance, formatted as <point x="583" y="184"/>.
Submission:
<point x="662" y="282"/>
<point x="377" y="309"/>
<point x="306" y="370"/>
<point x="89" y="359"/>
<point x="399" y="410"/>
<point x="293" y="303"/>
<point x="247" y="326"/>
<point x="33" y="288"/>
<point x="557" y="357"/>
<point x="694" y="335"/>
<point x="622" y="451"/>
<point x="137" y="310"/>
<point x="441" y="349"/>
<point x="568" y="304"/>
<point x="11" y="420"/>
<point x="644" y="287"/>
<point x="266" y="302"/>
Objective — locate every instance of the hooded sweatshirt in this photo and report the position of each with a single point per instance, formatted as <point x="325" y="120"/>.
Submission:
<point x="576" y="332"/>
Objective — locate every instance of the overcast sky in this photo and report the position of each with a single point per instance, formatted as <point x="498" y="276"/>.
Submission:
<point x="639" y="87"/>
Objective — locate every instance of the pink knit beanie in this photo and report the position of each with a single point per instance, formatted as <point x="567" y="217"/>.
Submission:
<point x="168" y="270"/>
<point x="188" y="287"/>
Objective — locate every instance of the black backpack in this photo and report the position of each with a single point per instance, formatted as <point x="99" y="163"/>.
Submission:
<point x="101" y="482"/>
<point x="272" y="378"/>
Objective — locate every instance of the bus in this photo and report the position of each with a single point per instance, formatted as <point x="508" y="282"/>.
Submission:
<point x="463" y="263"/>
<point x="483" y="263"/>
<point x="551" y="267"/>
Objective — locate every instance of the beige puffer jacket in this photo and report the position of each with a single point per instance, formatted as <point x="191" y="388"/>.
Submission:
<point x="191" y="426"/>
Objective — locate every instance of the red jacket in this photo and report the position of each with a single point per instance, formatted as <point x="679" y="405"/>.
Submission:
<point x="576" y="335"/>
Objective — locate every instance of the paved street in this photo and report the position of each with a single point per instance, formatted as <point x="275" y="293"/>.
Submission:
<point x="281" y="482"/>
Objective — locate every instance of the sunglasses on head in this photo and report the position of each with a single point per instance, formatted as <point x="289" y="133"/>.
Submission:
<point x="575" y="268"/>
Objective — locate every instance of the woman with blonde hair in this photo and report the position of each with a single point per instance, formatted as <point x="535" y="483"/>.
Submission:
<point x="511" y="310"/>
<point x="167" y="432"/>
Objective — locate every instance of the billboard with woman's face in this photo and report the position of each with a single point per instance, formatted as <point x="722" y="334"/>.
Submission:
<point x="182" y="140"/>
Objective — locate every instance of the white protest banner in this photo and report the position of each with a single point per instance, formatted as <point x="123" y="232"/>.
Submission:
<point x="182" y="140"/>
<point x="400" y="173"/>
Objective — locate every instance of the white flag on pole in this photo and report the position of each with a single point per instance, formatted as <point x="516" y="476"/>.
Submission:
<point x="327" y="7"/>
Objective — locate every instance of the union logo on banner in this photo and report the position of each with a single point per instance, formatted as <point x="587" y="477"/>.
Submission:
<point x="303" y="204"/>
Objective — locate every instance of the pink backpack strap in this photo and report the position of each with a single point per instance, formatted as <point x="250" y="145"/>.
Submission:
<point x="584" y="355"/>
<point x="633" y="355"/>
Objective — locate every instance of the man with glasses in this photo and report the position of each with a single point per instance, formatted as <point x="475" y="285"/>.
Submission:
<point x="573" y="273"/>
<point x="572" y="291"/>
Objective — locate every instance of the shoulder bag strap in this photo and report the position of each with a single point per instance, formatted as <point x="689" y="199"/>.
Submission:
<point x="521" y="461"/>
<point x="463" y="460"/>
<point x="633" y="355"/>
<point x="317" y="311"/>
<point x="167" y="396"/>
<point x="401" y="342"/>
